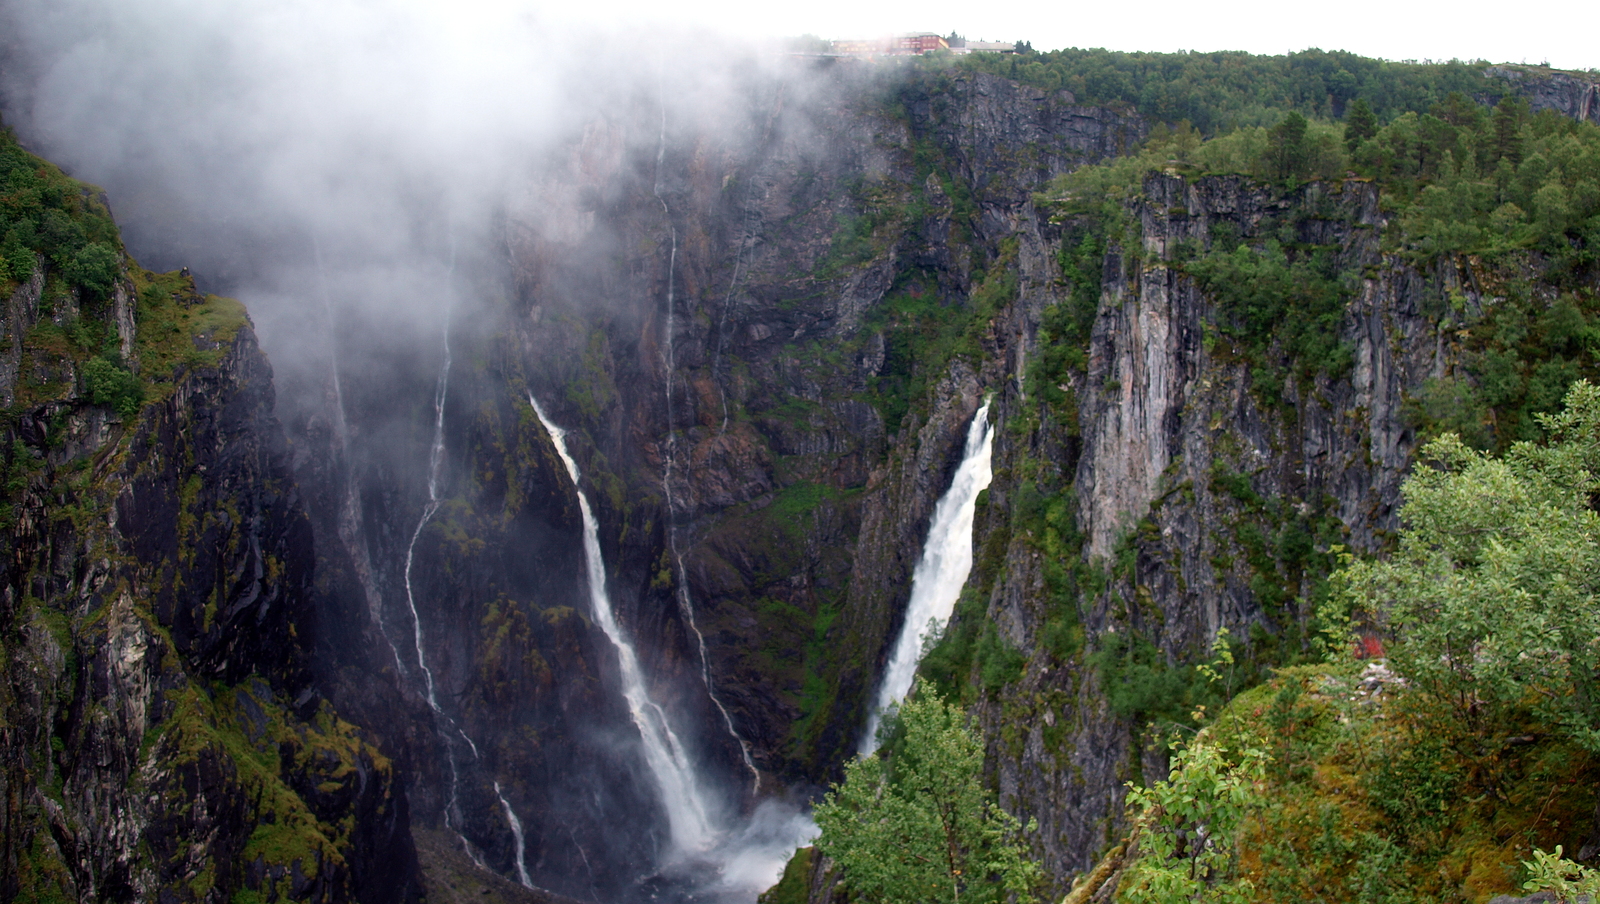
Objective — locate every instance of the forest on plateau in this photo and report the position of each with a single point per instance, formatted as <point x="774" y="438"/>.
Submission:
<point x="1073" y="475"/>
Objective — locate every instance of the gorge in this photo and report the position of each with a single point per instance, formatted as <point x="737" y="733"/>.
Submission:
<point x="577" y="527"/>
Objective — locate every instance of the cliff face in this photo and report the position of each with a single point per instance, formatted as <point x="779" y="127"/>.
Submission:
<point x="1569" y="95"/>
<point x="767" y="331"/>
<point x="161" y="736"/>
<point x="499" y="691"/>
<point x="1200" y="497"/>
<point x="766" y="328"/>
<point x="762" y="355"/>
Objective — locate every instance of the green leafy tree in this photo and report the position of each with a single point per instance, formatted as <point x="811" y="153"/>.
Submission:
<point x="94" y="268"/>
<point x="1187" y="828"/>
<point x="1494" y="592"/>
<point x="106" y="383"/>
<point x="918" y="827"/>
<point x="1359" y="124"/>
<point x="1507" y="121"/>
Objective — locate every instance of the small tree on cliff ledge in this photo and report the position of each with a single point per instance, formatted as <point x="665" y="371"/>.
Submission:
<point x="919" y="827"/>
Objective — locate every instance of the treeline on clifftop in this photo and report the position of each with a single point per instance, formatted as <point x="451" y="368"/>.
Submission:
<point x="1224" y="90"/>
<point x="1511" y="196"/>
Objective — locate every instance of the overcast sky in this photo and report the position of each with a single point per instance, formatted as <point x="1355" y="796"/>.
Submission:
<point x="1562" y="32"/>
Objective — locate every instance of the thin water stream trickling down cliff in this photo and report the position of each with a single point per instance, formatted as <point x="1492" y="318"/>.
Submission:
<point x="759" y="337"/>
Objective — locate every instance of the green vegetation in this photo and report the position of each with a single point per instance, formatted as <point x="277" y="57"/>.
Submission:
<point x="1493" y="587"/>
<point x="1231" y="89"/>
<point x="107" y="384"/>
<point x="1462" y="179"/>
<point x="794" y="887"/>
<point x="1188" y="829"/>
<point x="1453" y="776"/>
<point x="48" y="217"/>
<point x="1506" y="199"/>
<point x="45" y="212"/>
<point x="917" y="826"/>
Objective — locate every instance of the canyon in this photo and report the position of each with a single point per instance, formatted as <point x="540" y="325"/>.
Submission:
<point x="577" y="551"/>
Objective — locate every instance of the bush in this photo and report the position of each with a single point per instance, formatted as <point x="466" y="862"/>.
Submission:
<point x="106" y="383"/>
<point x="1494" y="592"/>
<point x="94" y="268"/>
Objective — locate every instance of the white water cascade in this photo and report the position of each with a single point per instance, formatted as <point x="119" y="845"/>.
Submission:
<point x="684" y="602"/>
<point x="940" y="573"/>
<point x="516" y="833"/>
<point x="435" y="458"/>
<point x="688" y="814"/>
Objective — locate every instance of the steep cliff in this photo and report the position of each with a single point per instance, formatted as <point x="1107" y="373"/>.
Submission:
<point x="764" y="307"/>
<point x="161" y="735"/>
<point x="768" y="328"/>
<point x="1200" y="498"/>
<point x="790" y="366"/>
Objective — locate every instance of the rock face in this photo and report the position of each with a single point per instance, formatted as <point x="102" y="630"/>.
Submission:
<point x="793" y="323"/>
<point x="764" y="368"/>
<point x="162" y="737"/>
<point x="1564" y="93"/>
<point x="765" y="330"/>
<point x="458" y="622"/>
<point x="1188" y="482"/>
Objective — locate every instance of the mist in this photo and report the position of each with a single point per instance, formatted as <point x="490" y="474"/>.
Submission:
<point x="362" y="176"/>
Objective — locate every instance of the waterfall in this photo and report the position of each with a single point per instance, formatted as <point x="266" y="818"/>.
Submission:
<point x="350" y="528"/>
<point x="940" y="573"/>
<point x="435" y="457"/>
<point x="516" y="833"/>
<point x="350" y="531"/>
<point x="687" y="811"/>
<point x="670" y="363"/>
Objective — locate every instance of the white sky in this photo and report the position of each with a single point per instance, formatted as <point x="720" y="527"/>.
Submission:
<point x="1562" y="32"/>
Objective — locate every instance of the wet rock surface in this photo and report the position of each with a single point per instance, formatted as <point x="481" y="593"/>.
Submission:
<point x="239" y="662"/>
<point x="163" y="738"/>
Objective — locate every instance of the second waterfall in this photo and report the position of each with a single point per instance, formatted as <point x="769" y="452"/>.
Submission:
<point x="940" y="574"/>
<point x="687" y="809"/>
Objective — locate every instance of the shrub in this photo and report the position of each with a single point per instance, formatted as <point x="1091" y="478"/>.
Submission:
<point x="94" y="268"/>
<point x="1494" y="592"/>
<point x="106" y="383"/>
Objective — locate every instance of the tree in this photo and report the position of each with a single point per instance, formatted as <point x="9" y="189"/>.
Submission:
<point x="94" y="268"/>
<point x="1286" y="148"/>
<point x="918" y="827"/>
<point x="1187" y="828"/>
<point x="107" y="383"/>
<point x="1509" y="115"/>
<point x="1494" y="592"/>
<point x="1359" y="124"/>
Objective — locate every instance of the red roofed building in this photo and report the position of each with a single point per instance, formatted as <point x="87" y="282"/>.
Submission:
<point x="921" y="42"/>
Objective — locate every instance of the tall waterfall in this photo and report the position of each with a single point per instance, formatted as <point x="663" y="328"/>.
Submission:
<point x="685" y="603"/>
<point x="687" y="810"/>
<point x="941" y="572"/>
<point x="435" y="458"/>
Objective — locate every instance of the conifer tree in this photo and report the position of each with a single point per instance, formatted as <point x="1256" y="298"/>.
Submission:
<point x="1359" y="124"/>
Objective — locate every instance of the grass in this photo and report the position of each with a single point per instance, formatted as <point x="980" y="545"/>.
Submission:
<point x="1365" y="799"/>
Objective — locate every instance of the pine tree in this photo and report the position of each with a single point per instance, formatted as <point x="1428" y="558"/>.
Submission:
<point x="1287" y="158"/>
<point x="1359" y="124"/>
